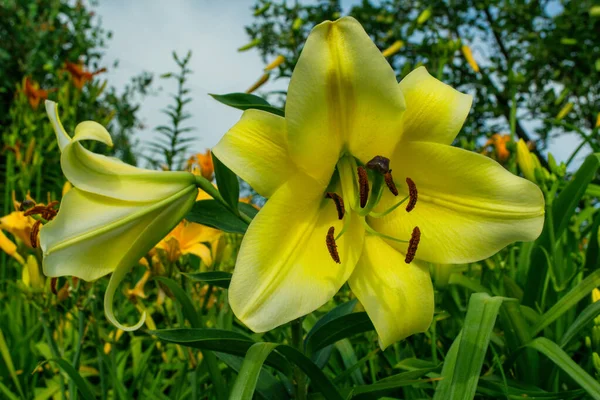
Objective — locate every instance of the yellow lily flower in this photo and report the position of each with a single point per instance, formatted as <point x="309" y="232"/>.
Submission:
<point x="114" y="214"/>
<point x="344" y="108"/>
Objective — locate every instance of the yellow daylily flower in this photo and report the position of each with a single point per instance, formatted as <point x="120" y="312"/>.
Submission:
<point x="189" y="238"/>
<point x="114" y="214"/>
<point x="345" y="111"/>
<point x="19" y="225"/>
<point x="7" y="246"/>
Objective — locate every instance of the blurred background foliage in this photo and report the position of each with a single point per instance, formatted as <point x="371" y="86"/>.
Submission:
<point x="523" y="323"/>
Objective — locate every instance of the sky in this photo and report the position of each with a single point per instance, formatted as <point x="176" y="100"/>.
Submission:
<point x="145" y="36"/>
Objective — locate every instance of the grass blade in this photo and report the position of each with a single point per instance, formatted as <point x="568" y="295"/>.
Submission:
<point x="564" y="362"/>
<point x="477" y="330"/>
<point x="568" y="301"/>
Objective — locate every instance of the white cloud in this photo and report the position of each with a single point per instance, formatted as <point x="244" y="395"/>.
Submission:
<point x="144" y="36"/>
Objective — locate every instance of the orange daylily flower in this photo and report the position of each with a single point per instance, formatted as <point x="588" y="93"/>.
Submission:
<point x="204" y="162"/>
<point x="189" y="238"/>
<point x="79" y="74"/>
<point x="33" y="92"/>
<point x="498" y="142"/>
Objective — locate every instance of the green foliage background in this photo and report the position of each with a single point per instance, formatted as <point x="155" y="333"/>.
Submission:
<point x="519" y="324"/>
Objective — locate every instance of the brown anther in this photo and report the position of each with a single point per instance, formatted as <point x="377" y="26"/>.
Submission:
<point x="389" y="181"/>
<point x="412" y="245"/>
<point x="363" y="184"/>
<point x="331" y="246"/>
<point x="35" y="210"/>
<point x="339" y="203"/>
<point x="412" y="194"/>
<point x="33" y="235"/>
<point x="380" y="164"/>
<point x="46" y="212"/>
<point x="53" y="282"/>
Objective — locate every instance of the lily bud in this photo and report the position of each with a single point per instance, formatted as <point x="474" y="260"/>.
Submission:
<point x="114" y="214"/>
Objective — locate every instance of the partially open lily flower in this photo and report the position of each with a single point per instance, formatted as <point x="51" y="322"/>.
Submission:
<point x="334" y="214"/>
<point x="114" y="214"/>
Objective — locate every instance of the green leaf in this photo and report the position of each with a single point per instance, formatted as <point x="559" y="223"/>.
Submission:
<point x="6" y="391"/>
<point x="245" y="384"/>
<point x="227" y="183"/>
<point x="217" y="278"/>
<point x="245" y="101"/>
<point x="475" y="338"/>
<point x="582" y="321"/>
<point x="338" y="328"/>
<point x="443" y="389"/>
<point x="225" y="341"/>
<point x="236" y="343"/>
<point x="592" y="254"/>
<point x="390" y="384"/>
<point x="566" y="203"/>
<point x="9" y="363"/>
<point x="187" y="307"/>
<point x="564" y="362"/>
<point x="267" y="386"/>
<point x="214" y="214"/>
<point x="339" y="311"/>
<point x="248" y="209"/>
<point x="81" y="383"/>
<point x="563" y="209"/>
<point x="583" y="289"/>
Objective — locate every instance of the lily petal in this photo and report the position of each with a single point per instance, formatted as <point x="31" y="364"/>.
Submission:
<point x="343" y="94"/>
<point x="469" y="207"/>
<point x="109" y="235"/>
<point x="397" y="296"/>
<point x="283" y="269"/>
<point x="107" y="176"/>
<point x="256" y="150"/>
<point x="435" y="112"/>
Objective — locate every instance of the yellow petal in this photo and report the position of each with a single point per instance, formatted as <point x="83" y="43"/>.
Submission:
<point x="94" y="235"/>
<point x="284" y="269"/>
<point x="18" y="225"/>
<point x="256" y="150"/>
<point x="397" y="296"/>
<point x="468" y="207"/>
<point x="7" y="246"/>
<point x="107" y="176"/>
<point x="435" y="112"/>
<point x="343" y="95"/>
<point x="202" y="251"/>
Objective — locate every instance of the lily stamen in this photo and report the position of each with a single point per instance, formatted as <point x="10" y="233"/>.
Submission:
<point x="389" y="181"/>
<point x="412" y="193"/>
<point x="413" y="244"/>
<point x="363" y="184"/>
<point x="332" y="246"/>
<point x="383" y="235"/>
<point x="339" y="203"/>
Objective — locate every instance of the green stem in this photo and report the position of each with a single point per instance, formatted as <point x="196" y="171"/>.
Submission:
<point x="53" y="350"/>
<point x="77" y="356"/>
<point x="212" y="191"/>
<point x="297" y="342"/>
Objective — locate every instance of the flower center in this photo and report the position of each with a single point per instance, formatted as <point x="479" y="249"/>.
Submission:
<point x="362" y="186"/>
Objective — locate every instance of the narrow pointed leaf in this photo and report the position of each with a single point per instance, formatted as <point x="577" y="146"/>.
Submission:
<point x="564" y="362"/>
